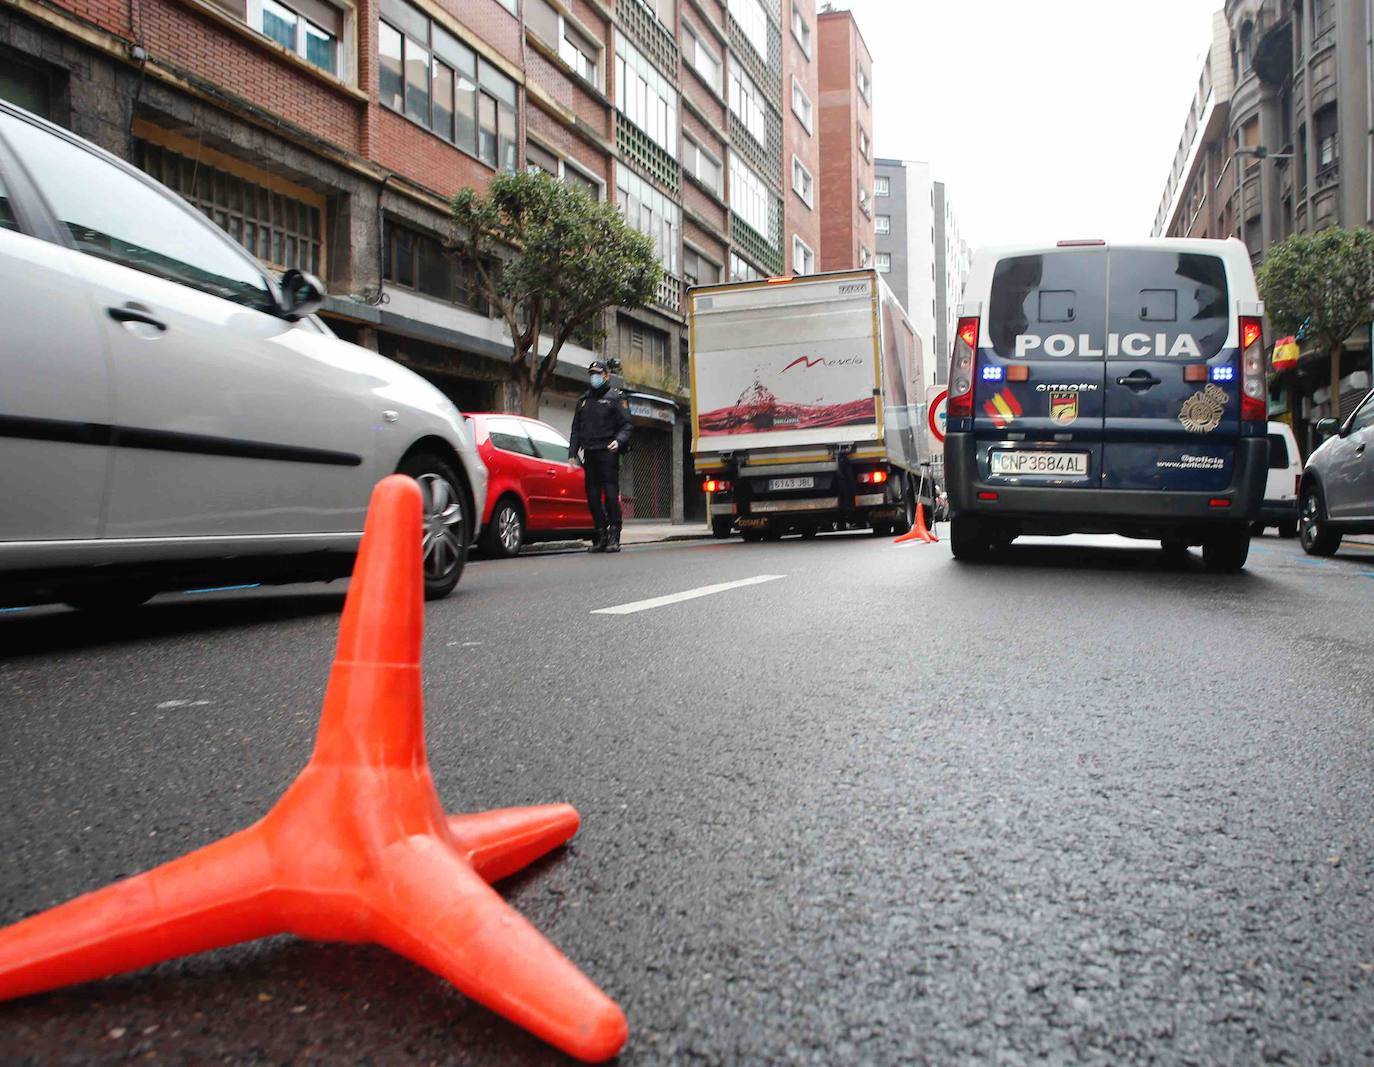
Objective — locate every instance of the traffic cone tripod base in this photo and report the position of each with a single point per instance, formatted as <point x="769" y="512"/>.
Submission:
<point x="357" y="849"/>
<point x="918" y="532"/>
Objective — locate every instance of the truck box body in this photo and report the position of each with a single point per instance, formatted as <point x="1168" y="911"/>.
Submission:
<point x="808" y="399"/>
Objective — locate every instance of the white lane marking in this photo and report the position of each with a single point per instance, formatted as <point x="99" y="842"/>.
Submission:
<point x="687" y="594"/>
<point x="182" y="704"/>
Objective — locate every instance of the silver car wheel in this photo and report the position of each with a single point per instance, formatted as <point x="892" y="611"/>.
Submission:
<point x="443" y="515"/>
<point x="508" y="529"/>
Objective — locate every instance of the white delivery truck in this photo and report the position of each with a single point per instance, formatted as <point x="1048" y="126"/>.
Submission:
<point x="808" y="405"/>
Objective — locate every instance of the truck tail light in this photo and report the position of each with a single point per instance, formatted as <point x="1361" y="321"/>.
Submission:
<point x="1254" y="405"/>
<point x="961" y="369"/>
<point x="873" y="477"/>
<point x="716" y="485"/>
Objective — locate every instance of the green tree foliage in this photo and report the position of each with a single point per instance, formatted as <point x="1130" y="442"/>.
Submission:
<point x="550" y="260"/>
<point x="1324" y="282"/>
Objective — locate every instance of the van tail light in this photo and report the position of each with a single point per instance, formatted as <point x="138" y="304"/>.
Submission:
<point x="961" y="369"/>
<point x="716" y="485"/>
<point x="1254" y="405"/>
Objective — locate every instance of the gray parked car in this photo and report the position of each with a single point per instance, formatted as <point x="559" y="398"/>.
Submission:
<point x="1337" y="496"/>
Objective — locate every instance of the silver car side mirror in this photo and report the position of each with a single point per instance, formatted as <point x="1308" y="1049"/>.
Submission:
<point x="302" y="295"/>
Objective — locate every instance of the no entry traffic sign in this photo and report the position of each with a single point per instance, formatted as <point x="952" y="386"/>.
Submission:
<point x="935" y="413"/>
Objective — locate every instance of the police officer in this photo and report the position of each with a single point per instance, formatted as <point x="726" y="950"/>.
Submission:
<point x="600" y="432"/>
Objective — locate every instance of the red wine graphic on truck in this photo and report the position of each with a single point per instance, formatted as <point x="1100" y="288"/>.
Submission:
<point x="758" y="410"/>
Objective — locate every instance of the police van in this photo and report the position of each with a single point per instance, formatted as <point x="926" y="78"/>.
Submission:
<point x="1109" y="388"/>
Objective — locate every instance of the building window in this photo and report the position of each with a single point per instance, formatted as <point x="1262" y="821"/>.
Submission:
<point x="575" y="48"/>
<point x="800" y="30"/>
<point x="801" y="104"/>
<point x="509" y="5"/>
<point x="802" y="182"/>
<point x="645" y="96"/>
<point x="864" y="205"/>
<point x="575" y="178"/>
<point x="884" y="262"/>
<point x="882" y="224"/>
<point x="701" y="58"/>
<point x="310" y="29"/>
<point x="702" y="165"/>
<point x="1326" y="130"/>
<point x="865" y="88"/>
<point x="435" y="80"/>
<point x="277" y="228"/>
<point x="540" y="160"/>
<point x="803" y="259"/>
<point x="749" y="14"/>
<point x="864" y="146"/>
<point x="663" y="10"/>
<point x="746" y="102"/>
<point x="880" y="186"/>
<point x="414" y="260"/>
<point x="748" y="196"/>
<point x="864" y="256"/>
<point x="650" y="212"/>
<point x="697" y="269"/>
<point x="1323" y="16"/>
<point x="742" y="270"/>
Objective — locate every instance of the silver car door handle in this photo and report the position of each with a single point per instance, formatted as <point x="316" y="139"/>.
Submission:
<point x="136" y="313"/>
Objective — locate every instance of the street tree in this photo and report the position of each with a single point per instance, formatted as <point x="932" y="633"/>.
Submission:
<point x="1323" y="284"/>
<point x="550" y="260"/>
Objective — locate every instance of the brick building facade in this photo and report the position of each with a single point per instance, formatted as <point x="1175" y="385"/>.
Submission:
<point x="845" y="73"/>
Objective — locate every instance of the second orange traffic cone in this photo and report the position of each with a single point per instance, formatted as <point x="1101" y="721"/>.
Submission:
<point x="357" y="849"/>
<point x="918" y="532"/>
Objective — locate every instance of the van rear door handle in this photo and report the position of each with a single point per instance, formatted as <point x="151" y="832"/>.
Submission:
<point x="1140" y="379"/>
<point x="136" y="313"/>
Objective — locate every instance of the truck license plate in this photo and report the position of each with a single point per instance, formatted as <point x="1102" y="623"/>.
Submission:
<point x="778" y="484"/>
<point x="1047" y="464"/>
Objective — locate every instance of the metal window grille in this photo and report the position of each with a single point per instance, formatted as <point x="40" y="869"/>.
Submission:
<point x="646" y="484"/>
<point x="280" y="230"/>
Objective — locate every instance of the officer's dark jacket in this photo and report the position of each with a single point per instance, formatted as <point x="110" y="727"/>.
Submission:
<point x="600" y="419"/>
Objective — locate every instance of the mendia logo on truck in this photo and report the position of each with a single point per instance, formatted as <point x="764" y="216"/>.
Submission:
<point x="1135" y="345"/>
<point x="806" y="363"/>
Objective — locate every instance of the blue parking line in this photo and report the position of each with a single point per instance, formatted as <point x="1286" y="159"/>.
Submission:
<point x="221" y="588"/>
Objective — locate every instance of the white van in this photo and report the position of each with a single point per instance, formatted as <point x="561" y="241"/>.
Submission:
<point x="1280" y="507"/>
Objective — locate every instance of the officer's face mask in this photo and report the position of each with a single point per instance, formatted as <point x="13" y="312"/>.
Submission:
<point x="598" y="380"/>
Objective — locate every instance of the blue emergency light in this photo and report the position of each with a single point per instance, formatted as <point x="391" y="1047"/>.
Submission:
<point x="1223" y="374"/>
<point x="992" y="374"/>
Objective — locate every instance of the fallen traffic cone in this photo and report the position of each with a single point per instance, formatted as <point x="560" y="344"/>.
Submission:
<point x="918" y="532"/>
<point x="357" y="849"/>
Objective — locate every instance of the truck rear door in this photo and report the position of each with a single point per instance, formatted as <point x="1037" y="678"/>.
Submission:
<point x="1038" y="394"/>
<point x="1172" y="384"/>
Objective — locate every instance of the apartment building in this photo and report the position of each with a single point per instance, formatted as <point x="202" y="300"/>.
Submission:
<point x="801" y="136"/>
<point x="952" y="259"/>
<point x="1278" y="140"/>
<point x="330" y="135"/>
<point x="846" y="143"/>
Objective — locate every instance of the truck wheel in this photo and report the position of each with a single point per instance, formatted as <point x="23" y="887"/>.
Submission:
<point x="808" y="532"/>
<point x="907" y="519"/>
<point x="721" y="525"/>
<point x="752" y="536"/>
<point x="882" y="529"/>
<point x="1225" y="552"/>
<point x="967" y="540"/>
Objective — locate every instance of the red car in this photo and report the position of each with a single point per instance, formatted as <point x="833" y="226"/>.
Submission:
<point x="533" y="492"/>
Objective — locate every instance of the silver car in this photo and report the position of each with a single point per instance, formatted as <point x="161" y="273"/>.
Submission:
<point x="172" y="415"/>
<point x="1337" y="496"/>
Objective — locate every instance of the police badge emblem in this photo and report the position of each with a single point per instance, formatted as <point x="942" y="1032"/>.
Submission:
<point x="1201" y="412"/>
<point x="1063" y="408"/>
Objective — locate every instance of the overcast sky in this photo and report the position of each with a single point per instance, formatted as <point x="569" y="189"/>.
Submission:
<point x="1046" y="120"/>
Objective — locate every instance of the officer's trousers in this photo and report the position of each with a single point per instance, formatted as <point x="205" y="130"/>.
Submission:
<point x="601" y="470"/>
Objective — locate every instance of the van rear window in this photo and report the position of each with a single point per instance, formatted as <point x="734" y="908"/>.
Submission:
<point x="1052" y="304"/>
<point x="1278" y="452"/>
<point x="1117" y="304"/>
<point x="1181" y="296"/>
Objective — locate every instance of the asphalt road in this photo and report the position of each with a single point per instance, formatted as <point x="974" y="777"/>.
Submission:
<point x="887" y="808"/>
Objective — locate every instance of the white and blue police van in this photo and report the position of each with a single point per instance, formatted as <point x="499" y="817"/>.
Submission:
<point x="1100" y="387"/>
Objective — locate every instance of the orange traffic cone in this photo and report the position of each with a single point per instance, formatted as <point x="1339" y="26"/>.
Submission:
<point x="357" y="849"/>
<point x="918" y="532"/>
